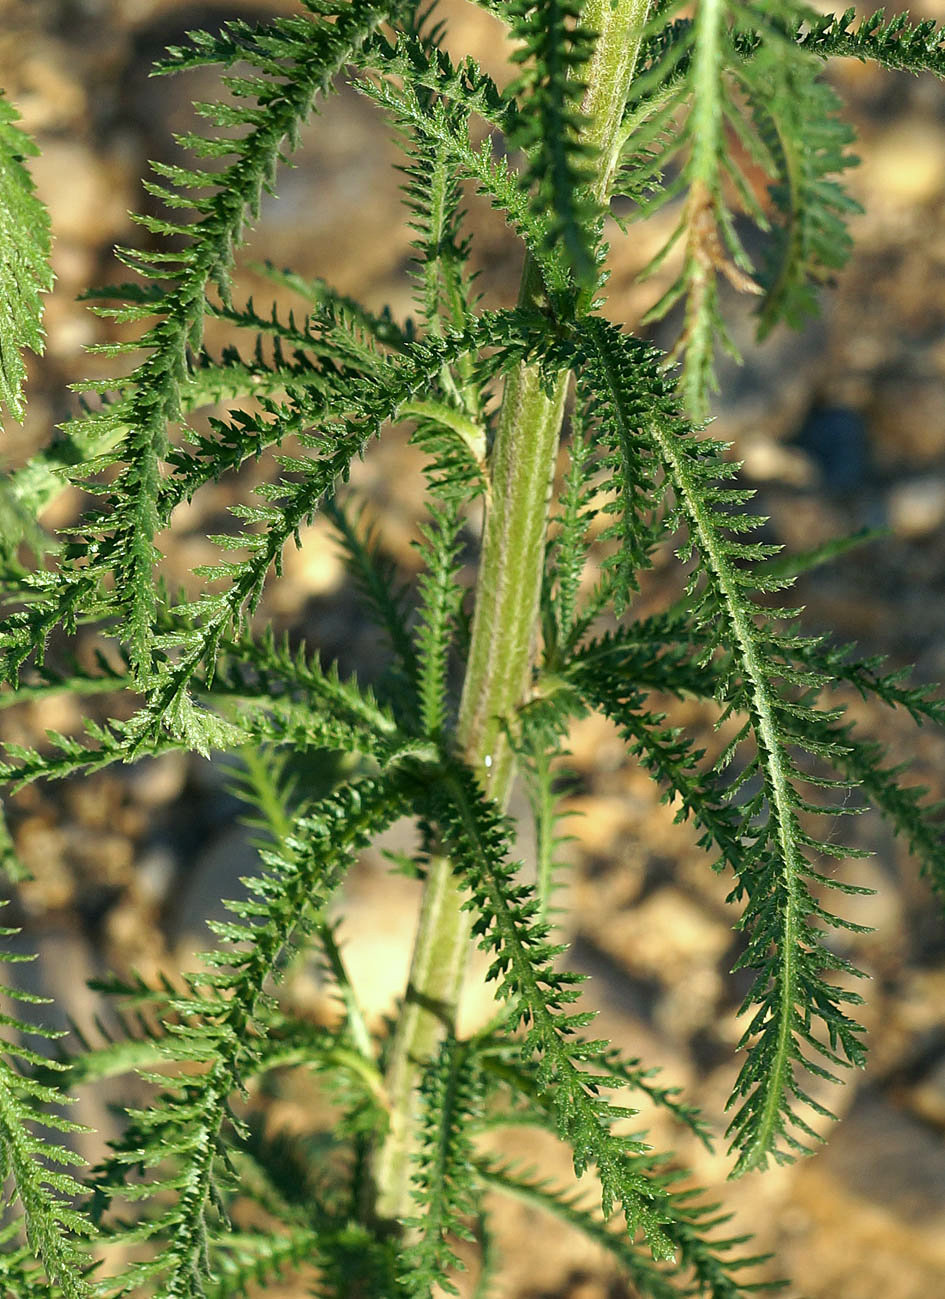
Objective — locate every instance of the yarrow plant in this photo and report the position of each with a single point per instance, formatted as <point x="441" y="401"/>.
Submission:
<point x="669" y="106"/>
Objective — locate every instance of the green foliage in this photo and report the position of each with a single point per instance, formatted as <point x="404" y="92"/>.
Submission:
<point x="451" y="1096"/>
<point x="810" y="240"/>
<point x="894" y="43"/>
<point x="25" y="272"/>
<point x="39" y="1166"/>
<point x="555" y="47"/>
<point x="506" y="919"/>
<point x="752" y="99"/>
<point x="201" y="1194"/>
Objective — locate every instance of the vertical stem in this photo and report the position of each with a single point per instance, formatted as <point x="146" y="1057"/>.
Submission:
<point x="505" y="620"/>
<point x="505" y="623"/>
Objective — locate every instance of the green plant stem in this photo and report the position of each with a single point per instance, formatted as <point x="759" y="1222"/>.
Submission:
<point x="428" y="1012"/>
<point x="505" y="625"/>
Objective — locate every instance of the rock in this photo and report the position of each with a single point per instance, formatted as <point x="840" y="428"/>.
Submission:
<point x="52" y="98"/>
<point x="155" y="873"/>
<point x="927" y="1098"/>
<point x="76" y="186"/>
<point x="155" y="781"/>
<point x="60" y="712"/>
<point x="41" y="847"/>
<point x="665" y="936"/>
<point x="314" y="568"/>
<point x="598" y="821"/>
<point x="595" y="744"/>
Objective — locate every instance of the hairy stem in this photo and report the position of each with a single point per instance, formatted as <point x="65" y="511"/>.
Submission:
<point x="505" y="624"/>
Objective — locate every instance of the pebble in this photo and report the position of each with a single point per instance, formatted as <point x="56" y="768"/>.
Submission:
<point x="927" y="1097"/>
<point x="77" y="188"/>
<point x="51" y="98"/>
<point x="595" y="744"/>
<point x="765" y="460"/>
<point x="42" y="849"/>
<point x="878" y="1184"/>
<point x="598" y="822"/>
<point x="905" y="164"/>
<point x="155" y="873"/>
<point x="688" y="1005"/>
<point x="56" y="713"/>
<point x="917" y="507"/>
<point x="155" y="781"/>
<point x="835" y="437"/>
<point x="314" y="568"/>
<point x="907" y="420"/>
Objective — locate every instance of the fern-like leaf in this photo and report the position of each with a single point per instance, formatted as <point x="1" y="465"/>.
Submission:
<point x="242" y="1261"/>
<point x="798" y="116"/>
<point x="706" y="228"/>
<point x="307" y="54"/>
<point x="221" y="1017"/>
<point x="441" y="598"/>
<point x="715" y="1279"/>
<point x="433" y="120"/>
<point x="376" y="578"/>
<point x="566" y="551"/>
<point x="710" y="66"/>
<point x="785" y="924"/>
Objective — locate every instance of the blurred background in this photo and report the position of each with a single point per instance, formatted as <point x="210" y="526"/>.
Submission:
<point x="841" y="427"/>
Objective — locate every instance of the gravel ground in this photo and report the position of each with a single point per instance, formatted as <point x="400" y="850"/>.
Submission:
<point x="841" y="427"/>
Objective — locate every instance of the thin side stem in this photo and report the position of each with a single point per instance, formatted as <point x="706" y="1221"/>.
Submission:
<point x="505" y="624"/>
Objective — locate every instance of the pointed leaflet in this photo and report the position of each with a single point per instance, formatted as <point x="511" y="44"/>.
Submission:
<point x="704" y="51"/>
<point x="660" y="654"/>
<point x="892" y="42"/>
<point x="727" y="54"/>
<point x="797" y="115"/>
<point x="569" y="1074"/>
<point x="714" y="1265"/>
